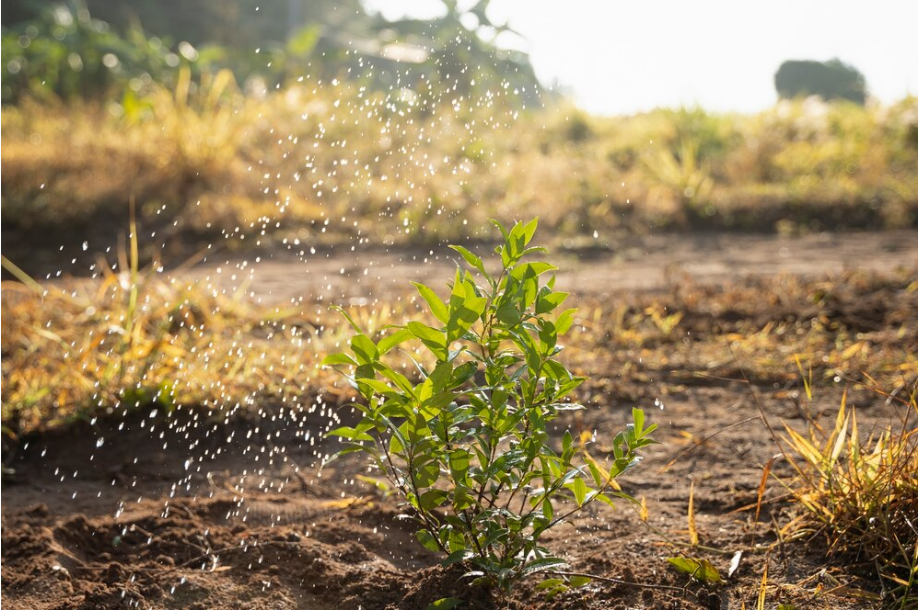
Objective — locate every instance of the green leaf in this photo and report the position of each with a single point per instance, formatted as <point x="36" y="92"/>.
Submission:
<point x="568" y="386"/>
<point x="395" y="445"/>
<point x="427" y="541"/>
<point x="350" y="434"/>
<point x="397" y="378"/>
<point x="500" y="228"/>
<point x="530" y="291"/>
<point x="462" y="499"/>
<point x="345" y="451"/>
<point x="441" y="376"/>
<point x="427" y="333"/>
<point x="514" y="243"/>
<point x="509" y="314"/>
<point x="548" y="302"/>
<point x="390" y="341"/>
<point x="347" y="317"/>
<point x="395" y="431"/>
<point x="302" y="42"/>
<point x="541" y="565"/>
<point x="437" y="306"/>
<point x="463" y="373"/>
<point x="563" y="324"/>
<point x="364" y="349"/>
<point x="473" y="260"/>
<point x="531" y="270"/>
<point x="333" y="359"/>
<point x="458" y="294"/>
<point x="457" y="541"/>
<point x="605" y="499"/>
<point x="505" y="258"/>
<point x="556" y="370"/>
<point x="638" y="416"/>
<point x="700" y="569"/>
<point x="434" y="339"/>
<point x="568" y="476"/>
<point x="548" y="336"/>
<point x="459" y="462"/>
<point x="432" y="498"/>
<point x="427" y="475"/>
<point x="548" y="583"/>
<point x="464" y="312"/>
<point x="445" y="603"/>
<point x="579" y="489"/>
<point x="598" y="479"/>
<point x="580" y="581"/>
<point x="556" y="591"/>
<point x="457" y="556"/>
<point x="547" y="510"/>
<point x="529" y="230"/>
<point x="378" y="386"/>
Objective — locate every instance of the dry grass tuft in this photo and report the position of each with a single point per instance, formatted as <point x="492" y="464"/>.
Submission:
<point x="859" y="492"/>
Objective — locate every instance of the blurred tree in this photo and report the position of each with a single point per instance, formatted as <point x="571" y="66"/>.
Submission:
<point x="463" y="55"/>
<point x="231" y="23"/>
<point x="829" y="80"/>
<point x="271" y="40"/>
<point x="67" y="53"/>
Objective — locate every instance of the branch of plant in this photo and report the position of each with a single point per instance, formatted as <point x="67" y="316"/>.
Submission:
<point x="616" y="581"/>
<point x="430" y="526"/>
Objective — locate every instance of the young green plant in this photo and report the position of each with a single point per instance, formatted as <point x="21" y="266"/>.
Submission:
<point x="466" y="442"/>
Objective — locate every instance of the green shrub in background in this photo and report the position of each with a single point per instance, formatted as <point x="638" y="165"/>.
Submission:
<point x="68" y="54"/>
<point x="62" y="51"/>
<point x="467" y="446"/>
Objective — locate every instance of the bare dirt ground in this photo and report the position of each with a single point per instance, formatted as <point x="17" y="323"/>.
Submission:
<point x="640" y="263"/>
<point x="189" y="511"/>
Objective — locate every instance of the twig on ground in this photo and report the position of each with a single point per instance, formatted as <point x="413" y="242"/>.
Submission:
<point x="618" y="581"/>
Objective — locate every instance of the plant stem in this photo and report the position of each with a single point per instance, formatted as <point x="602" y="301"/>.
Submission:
<point x="616" y="581"/>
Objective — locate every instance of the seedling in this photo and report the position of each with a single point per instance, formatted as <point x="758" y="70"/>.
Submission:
<point x="466" y="445"/>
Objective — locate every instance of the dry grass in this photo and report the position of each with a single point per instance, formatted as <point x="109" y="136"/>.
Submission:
<point x="859" y="492"/>
<point x="82" y="348"/>
<point x="334" y="163"/>
<point x="840" y="327"/>
<point x="133" y="339"/>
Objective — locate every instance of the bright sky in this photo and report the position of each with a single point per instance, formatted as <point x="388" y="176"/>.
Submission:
<point x="620" y="56"/>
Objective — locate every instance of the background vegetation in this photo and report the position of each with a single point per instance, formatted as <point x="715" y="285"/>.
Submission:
<point x="435" y="135"/>
<point x="831" y="80"/>
<point x="208" y="164"/>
